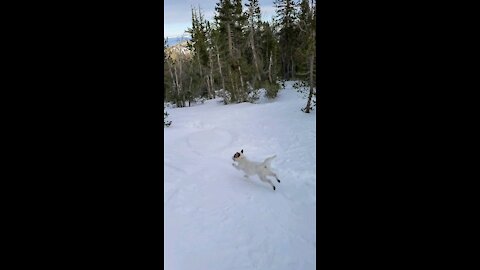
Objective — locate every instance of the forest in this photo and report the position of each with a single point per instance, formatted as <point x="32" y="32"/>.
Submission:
<point x="238" y="53"/>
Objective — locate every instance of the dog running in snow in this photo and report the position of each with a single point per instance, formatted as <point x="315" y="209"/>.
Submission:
<point x="262" y="169"/>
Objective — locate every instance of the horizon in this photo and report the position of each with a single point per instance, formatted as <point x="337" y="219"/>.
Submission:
<point x="171" y="41"/>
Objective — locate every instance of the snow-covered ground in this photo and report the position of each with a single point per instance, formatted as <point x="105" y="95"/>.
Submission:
<point x="217" y="219"/>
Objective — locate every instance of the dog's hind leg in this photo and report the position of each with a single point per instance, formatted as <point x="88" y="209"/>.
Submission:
<point x="266" y="180"/>
<point x="273" y="174"/>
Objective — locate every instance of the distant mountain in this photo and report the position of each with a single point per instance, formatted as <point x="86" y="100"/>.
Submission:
<point x="175" y="40"/>
<point x="179" y="50"/>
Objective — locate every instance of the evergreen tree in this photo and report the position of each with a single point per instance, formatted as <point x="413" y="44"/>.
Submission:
<point x="211" y="63"/>
<point x="237" y="53"/>
<point x="240" y="21"/>
<point x="268" y="49"/>
<point x="165" y="83"/>
<point x="308" y="28"/>
<point x="224" y="18"/>
<point x="253" y="16"/>
<point x="198" y="46"/>
<point x="286" y="17"/>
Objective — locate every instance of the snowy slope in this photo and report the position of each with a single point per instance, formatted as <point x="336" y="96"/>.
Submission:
<point x="217" y="219"/>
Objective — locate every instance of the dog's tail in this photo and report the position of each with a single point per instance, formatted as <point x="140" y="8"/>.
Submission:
<point x="268" y="161"/>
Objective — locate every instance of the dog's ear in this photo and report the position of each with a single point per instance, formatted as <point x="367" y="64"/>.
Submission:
<point x="242" y="151"/>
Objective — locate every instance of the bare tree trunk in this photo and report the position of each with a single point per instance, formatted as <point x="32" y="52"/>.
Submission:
<point x="252" y="44"/>
<point x="283" y="64"/>
<point x="200" y="68"/>
<point x="234" y="96"/>
<point x="293" y="68"/>
<point x="190" y="91"/>
<point x="312" y="59"/>
<point x="208" y="85"/>
<point x="211" y="92"/>
<point x="270" y="69"/>
<point x="307" y="108"/>
<point x="220" y="69"/>
<point x="174" y="83"/>
<point x="180" y="80"/>
<point x="179" y="86"/>
<point x="199" y="64"/>
<point x="211" y="83"/>
<point x="230" y="43"/>
<point x="242" y="90"/>
<point x="237" y="96"/>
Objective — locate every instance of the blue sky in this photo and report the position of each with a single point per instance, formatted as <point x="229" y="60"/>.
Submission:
<point x="178" y="16"/>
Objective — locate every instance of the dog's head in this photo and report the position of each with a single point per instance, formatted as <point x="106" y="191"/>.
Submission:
<point x="238" y="156"/>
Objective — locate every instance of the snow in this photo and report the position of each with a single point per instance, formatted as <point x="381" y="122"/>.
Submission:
<point x="214" y="217"/>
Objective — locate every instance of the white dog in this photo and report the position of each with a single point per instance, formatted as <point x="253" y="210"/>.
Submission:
<point x="262" y="169"/>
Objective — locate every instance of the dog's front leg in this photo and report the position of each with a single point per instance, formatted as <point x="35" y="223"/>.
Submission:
<point x="235" y="165"/>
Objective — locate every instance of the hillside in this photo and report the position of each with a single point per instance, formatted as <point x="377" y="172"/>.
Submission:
<point x="178" y="50"/>
<point x="217" y="219"/>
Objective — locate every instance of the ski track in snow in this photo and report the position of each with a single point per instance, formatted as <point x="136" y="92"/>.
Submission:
<point x="217" y="219"/>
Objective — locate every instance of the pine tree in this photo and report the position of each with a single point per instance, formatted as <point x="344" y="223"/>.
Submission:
<point x="211" y="53"/>
<point x="217" y="43"/>
<point x="268" y="49"/>
<point x="230" y="23"/>
<point x="253" y="17"/>
<point x="303" y="42"/>
<point x="308" y="28"/>
<point x="286" y="17"/>
<point x="199" y="72"/>
<point x="237" y="53"/>
<point x="165" y="81"/>
<point x="240" y="67"/>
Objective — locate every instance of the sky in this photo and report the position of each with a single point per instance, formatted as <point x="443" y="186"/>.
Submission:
<point x="178" y="15"/>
